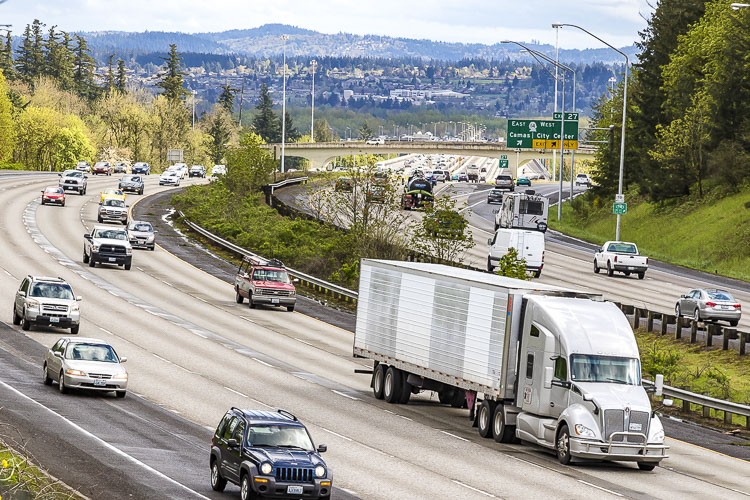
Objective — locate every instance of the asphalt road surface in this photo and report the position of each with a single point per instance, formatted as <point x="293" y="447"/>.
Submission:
<point x="194" y="352"/>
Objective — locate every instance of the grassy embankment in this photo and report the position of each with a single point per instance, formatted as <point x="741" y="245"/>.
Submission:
<point x="19" y="478"/>
<point x="710" y="235"/>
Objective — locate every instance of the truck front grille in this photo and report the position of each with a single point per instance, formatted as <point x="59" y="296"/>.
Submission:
<point x="614" y="421"/>
<point x="272" y="292"/>
<point x="639" y="417"/>
<point x="52" y="308"/>
<point x="294" y="474"/>
<point x="102" y="376"/>
<point x="112" y="249"/>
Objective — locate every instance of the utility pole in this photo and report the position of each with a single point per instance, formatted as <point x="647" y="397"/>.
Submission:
<point x="284" y="38"/>
<point x="313" y="63"/>
<point x="557" y="61"/>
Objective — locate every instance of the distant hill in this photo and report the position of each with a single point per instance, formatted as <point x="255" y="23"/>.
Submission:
<point x="263" y="41"/>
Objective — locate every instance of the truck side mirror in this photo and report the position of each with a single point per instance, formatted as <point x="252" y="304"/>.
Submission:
<point x="548" y="373"/>
<point x="489" y="241"/>
<point x="322" y="448"/>
<point x="659" y="384"/>
<point x="683" y="296"/>
<point x="232" y="443"/>
<point x="587" y="396"/>
<point x="667" y="402"/>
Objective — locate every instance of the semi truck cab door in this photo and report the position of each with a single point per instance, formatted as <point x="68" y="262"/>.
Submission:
<point x="560" y="391"/>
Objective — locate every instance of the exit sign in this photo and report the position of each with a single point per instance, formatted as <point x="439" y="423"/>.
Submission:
<point x="620" y="208"/>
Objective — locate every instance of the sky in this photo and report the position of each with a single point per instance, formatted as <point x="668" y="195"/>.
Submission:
<point x="483" y="21"/>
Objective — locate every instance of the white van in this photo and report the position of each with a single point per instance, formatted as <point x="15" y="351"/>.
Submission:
<point x="528" y="244"/>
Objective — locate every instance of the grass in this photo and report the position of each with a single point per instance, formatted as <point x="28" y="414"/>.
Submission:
<point x="703" y="370"/>
<point x="19" y="478"/>
<point x="710" y="235"/>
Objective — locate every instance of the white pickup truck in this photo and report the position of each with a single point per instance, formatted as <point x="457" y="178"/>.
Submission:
<point x="621" y="256"/>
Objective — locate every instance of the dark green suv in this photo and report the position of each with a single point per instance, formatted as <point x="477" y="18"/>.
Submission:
<point x="269" y="455"/>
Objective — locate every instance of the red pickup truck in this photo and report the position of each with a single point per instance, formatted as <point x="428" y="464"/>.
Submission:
<point x="264" y="282"/>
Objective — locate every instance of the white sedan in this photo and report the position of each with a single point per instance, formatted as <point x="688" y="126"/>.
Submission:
<point x="170" y="178"/>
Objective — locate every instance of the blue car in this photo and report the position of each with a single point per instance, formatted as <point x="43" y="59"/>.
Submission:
<point x="523" y="181"/>
<point x="268" y="454"/>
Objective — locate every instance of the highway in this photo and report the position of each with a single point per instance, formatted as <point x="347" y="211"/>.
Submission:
<point x="194" y="352"/>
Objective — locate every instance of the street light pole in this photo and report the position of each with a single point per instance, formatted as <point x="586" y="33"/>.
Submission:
<point x="624" y="110"/>
<point x="557" y="60"/>
<point x="284" y="38"/>
<point x="313" y="63"/>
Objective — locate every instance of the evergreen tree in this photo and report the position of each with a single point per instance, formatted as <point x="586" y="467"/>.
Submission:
<point x="365" y="132"/>
<point x="265" y="123"/>
<point x="24" y="63"/>
<point x="6" y="57"/>
<point x="7" y="129"/>
<point x="226" y="99"/>
<point x="109" y="80"/>
<point x="58" y="58"/>
<point x="83" y="70"/>
<point x="218" y="136"/>
<point x="322" y="131"/>
<point x="291" y="133"/>
<point x="173" y="77"/>
<point x="121" y="80"/>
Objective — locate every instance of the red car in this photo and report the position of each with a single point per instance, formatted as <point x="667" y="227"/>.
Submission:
<point x="102" y="167"/>
<point x="54" y="195"/>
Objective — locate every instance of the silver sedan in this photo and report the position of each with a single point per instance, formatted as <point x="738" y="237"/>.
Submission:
<point x="84" y="363"/>
<point x="709" y="304"/>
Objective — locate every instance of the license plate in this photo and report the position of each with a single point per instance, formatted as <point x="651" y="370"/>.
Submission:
<point x="112" y="259"/>
<point x="100" y="383"/>
<point x="274" y="301"/>
<point x="54" y="320"/>
<point x="294" y="490"/>
<point x="636" y="427"/>
<point x="630" y="268"/>
<point x="726" y="307"/>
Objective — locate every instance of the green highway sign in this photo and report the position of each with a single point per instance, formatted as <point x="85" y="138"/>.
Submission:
<point x="569" y="117"/>
<point x="541" y="134"/>
<point x="503" y="157"/>
<point x="620" y="208"/>
<point x="503" y="163"/>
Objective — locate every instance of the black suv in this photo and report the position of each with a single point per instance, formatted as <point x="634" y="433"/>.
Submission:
<point x="268" y="454"/>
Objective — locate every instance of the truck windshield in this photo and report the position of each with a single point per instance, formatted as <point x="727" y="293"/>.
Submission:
<point x="588" y="368"/>
<point x="623" y="248"/>
<point x="531" y="207"/>
<point x="270" y="275"/>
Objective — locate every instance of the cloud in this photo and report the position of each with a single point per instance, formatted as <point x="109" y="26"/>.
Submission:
<point x="617" y="21"/>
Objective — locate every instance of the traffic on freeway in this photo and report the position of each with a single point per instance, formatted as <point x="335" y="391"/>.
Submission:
<point x="194" y="353"/>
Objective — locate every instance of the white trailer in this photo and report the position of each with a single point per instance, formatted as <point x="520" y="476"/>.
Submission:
<point x="523" y="210"/>
<point x="547" y="365"/>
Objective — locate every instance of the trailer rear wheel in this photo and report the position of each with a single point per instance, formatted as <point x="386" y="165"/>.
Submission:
<point x="392" y="385"/>
<point x="405" y="389"/>
<point x="501" y="432"/>
<point x="378" y="378"/>
<point x="484" y="418"/>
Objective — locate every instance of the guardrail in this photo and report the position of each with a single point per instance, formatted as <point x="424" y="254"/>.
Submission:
<point x="707" y="403"/>
<point x="285" y="182"/>
<point x="316" y="284"/>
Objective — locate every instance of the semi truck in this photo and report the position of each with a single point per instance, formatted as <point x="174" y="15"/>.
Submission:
<point x="546" y="365"/>
<point x="523" y="210"/>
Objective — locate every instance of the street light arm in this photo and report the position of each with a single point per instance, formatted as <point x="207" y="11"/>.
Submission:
<point x="623" y="54"/>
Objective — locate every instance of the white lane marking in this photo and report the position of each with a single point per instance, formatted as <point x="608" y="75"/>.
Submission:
<point x="113" y="293"/>
<point x="104" y="443"/>
<point x="167" y="283"/>
<point x="105" y="331"/>
<point x="453" y="435"/>
<point x="303" y="341"/>
<point x="337" y="434"/>
<point x="232" y="390"/>
<point x="399" y="416"/>
<point x="163" y="359"/>
<point x="6" y="272"/>
<point x="345" y="395"/>
<point x="472" y="206"/>
<point x="259" y="402"/>
<point x="353" y="493"/>
<point x="474" y="489"/>
<point x="202" y="300"/>
<point x="599" y="488"/>
<point x="263" y="362"/>
<point x="525" y="461"/>
<point x="139" y="268"/>
<point x="375" y="450"/>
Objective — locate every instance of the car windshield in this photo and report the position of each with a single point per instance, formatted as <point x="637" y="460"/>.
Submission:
<point x="52" y="291"/>
<point x="531" y="207"/>
<point x="73" y="173"/>
<point x="112" y="202"/>
<point x="583" y="176"/>
<point x="276" y="275"/>
<point x="504" y="178"/>
<point x="110" y="234"/>
<point x="719" y="295"/>
<point x="589" y="368"/>
<point x="132" y="178"/>
<point x="143" y="227"/>
<point x="279" y="436"/>
<point x="622" y="248"/>
<point x="113" y="191"/>
<point x="101" y="164"/>
<point x="53" y="190"/>
<point x="91" y="352"/>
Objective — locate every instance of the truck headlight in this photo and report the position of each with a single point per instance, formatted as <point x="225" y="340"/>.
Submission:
<point x="658" y="436"/>
<point x="74" y="307"/>
<point x="94" y="248"/>
<point x="320" y="471"/>
<point x="584" y="431"/>
<point x="120" y="376"/>
<point x="128" y="251"/>
<point x="77" y="373"/>
<point x="150" y="237"/>
<point x="266" y="468"/>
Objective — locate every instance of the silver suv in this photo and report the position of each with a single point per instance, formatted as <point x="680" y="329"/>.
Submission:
<point x="73" y="180"/>
<point x="44" y="301"/>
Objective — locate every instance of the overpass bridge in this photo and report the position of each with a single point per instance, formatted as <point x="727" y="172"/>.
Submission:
<point x="321" y="153"/>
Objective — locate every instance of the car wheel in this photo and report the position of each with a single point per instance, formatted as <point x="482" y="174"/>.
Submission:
<point x="392" y="385"/>
<point x="677" y="311"/>
<point x="646" y="466"/>
<point x="537" y="273"/>
<point x="63" y="204"/>
<point x="484" y="418"/>
<point x="85" y="258"/>
<point x="16" y="317"/>
<point x="217" y="482"/>
<point x="596" y="267"/>
<point x="610" y="271"/>
<point x="378" y="379"/>
<point x="563" y="445"/>
<point x="490" y="267"/>
<point x="99" y="219"/>
<point x="45" y="375"/>
<point x="127" y="266"/>
<point x="250" y="300"/>
<point x="641" y="276"/>
<point x="25" y="323"/>
<point x="74" y="329"/>
<point x="92" y="262"/>
<point x="120" y="394"/>
<point x="238" y="298"/>
<point x="696" y="315"/>
<point x="734" y="322"/>
<point x="290" y="308"/>
<point x="151" y="248"/>
<point x="246" y="491"/>
<point x="61" y="384"/>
